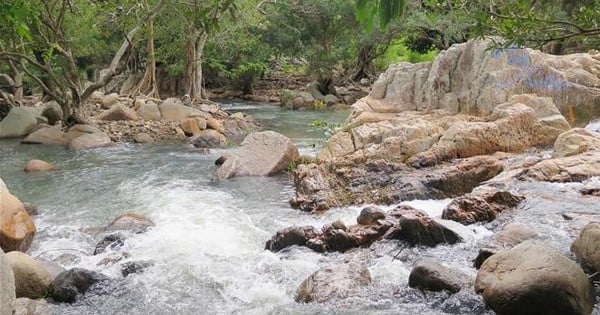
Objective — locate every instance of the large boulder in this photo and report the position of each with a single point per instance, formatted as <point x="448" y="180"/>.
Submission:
<point x="149" y="111"/>
<point x="7" y="286"/>
<point x="474" y="208"/>
<point x="575" y="168"/>
<point x="473" y="78"/>
<point x="18" y="123"/>
<point x="587" y="247"/>
<point x="261" y="154"/>
<point x="118" y="111"/>
<point x="333" y="282"/>
<point x="432" y="276"/>
<point x="510" y="236"/>
<point x="533" y="278"/>
<point x="89" y="141"/>
<point x="31" y="279"/>
<point x="16" y="227"/>
<point x="172" y="109"/>
<point x="343" y="182"/>
<point x="38" y="166"/>
<point x="71" y="283"/>
<point x="575" y="141"/>
<point x="81" y="130"/>
<point x="47" y="135"/>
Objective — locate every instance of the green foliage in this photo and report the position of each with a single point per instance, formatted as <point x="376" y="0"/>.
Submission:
<point x="383" y="10"/>
<point x="398" y="52"/>
<point x="327" y="127"/>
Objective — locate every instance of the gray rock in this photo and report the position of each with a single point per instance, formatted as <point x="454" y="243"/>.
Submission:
<point x="134" y="267"/>
<point x="149" y="111"/>
<point x="7" y="286"/>
<point x="291" y="236"/>
<point x="330" y="99"/>
<point x="417" y="228"/>
<point x="432" y="276"/>
<point x="533" y="278"/>
<point x="111" y="241"/>
<point x="47" y="135"/>
<point x="131" y="222"/>
<point x="89" y="141"/>
<point x="369" y="215"/>
<point x="510" y="236"/>
<point x="333" y="282"/>
<point x="472" y="208"/>
<point x="587" y="248"/>
<point x="172" y="109"/>
<point x="18" y="123"/>
<point x="264" y="153"/>
<point x="143" y="137"/>
<point x="118" y="112"/>
<point x="209" y="138"/>
<point x="53" y="112"/>
<point x="71" y="283"/>
<point x="32" y="280"/>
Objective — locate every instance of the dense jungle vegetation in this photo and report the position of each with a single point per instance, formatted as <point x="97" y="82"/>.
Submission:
<point x="66" y="49"/>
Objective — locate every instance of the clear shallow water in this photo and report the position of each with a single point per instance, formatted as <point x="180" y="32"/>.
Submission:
<point x="207" y="246"/>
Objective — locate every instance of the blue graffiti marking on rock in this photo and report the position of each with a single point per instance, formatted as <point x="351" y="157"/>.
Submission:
<point x="533" y="76"/>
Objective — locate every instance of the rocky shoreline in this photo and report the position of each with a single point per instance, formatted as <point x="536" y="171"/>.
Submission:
<point x="478" y="126"/>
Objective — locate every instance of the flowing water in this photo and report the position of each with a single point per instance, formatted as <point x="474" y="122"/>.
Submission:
<point x="207" y="248"/>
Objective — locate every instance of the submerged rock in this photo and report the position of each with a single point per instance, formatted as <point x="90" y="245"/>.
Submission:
<point x="131" y="222"/>
<point x="333" y="282"/>
<point x="111" y="241"/>
<point x="432" y="276"/>
<point x="474" y="208"/>
<point x="32" y="280"/>
<point x="71" y="283"/>
<point x="264" y="153"/>
<point x="134" y="267"/>
<point x="532" y="278"/>
<point x="38" y="166"/>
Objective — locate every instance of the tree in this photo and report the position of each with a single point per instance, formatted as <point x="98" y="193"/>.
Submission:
<point x="202" y="19"/>
<point x="42" y="50"/>
<point x="541" y="22"/>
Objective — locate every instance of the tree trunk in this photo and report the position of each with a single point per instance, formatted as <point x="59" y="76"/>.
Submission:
<point x="148" y="86"/>
<point x="193" y="65"/>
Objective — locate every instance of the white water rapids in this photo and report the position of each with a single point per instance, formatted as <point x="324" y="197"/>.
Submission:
<point x="207" y="248"/>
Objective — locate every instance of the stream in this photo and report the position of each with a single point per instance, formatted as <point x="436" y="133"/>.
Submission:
<point x="207" y="248"/>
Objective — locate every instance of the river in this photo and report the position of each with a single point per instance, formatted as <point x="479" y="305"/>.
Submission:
<point x="207" y="248"/>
